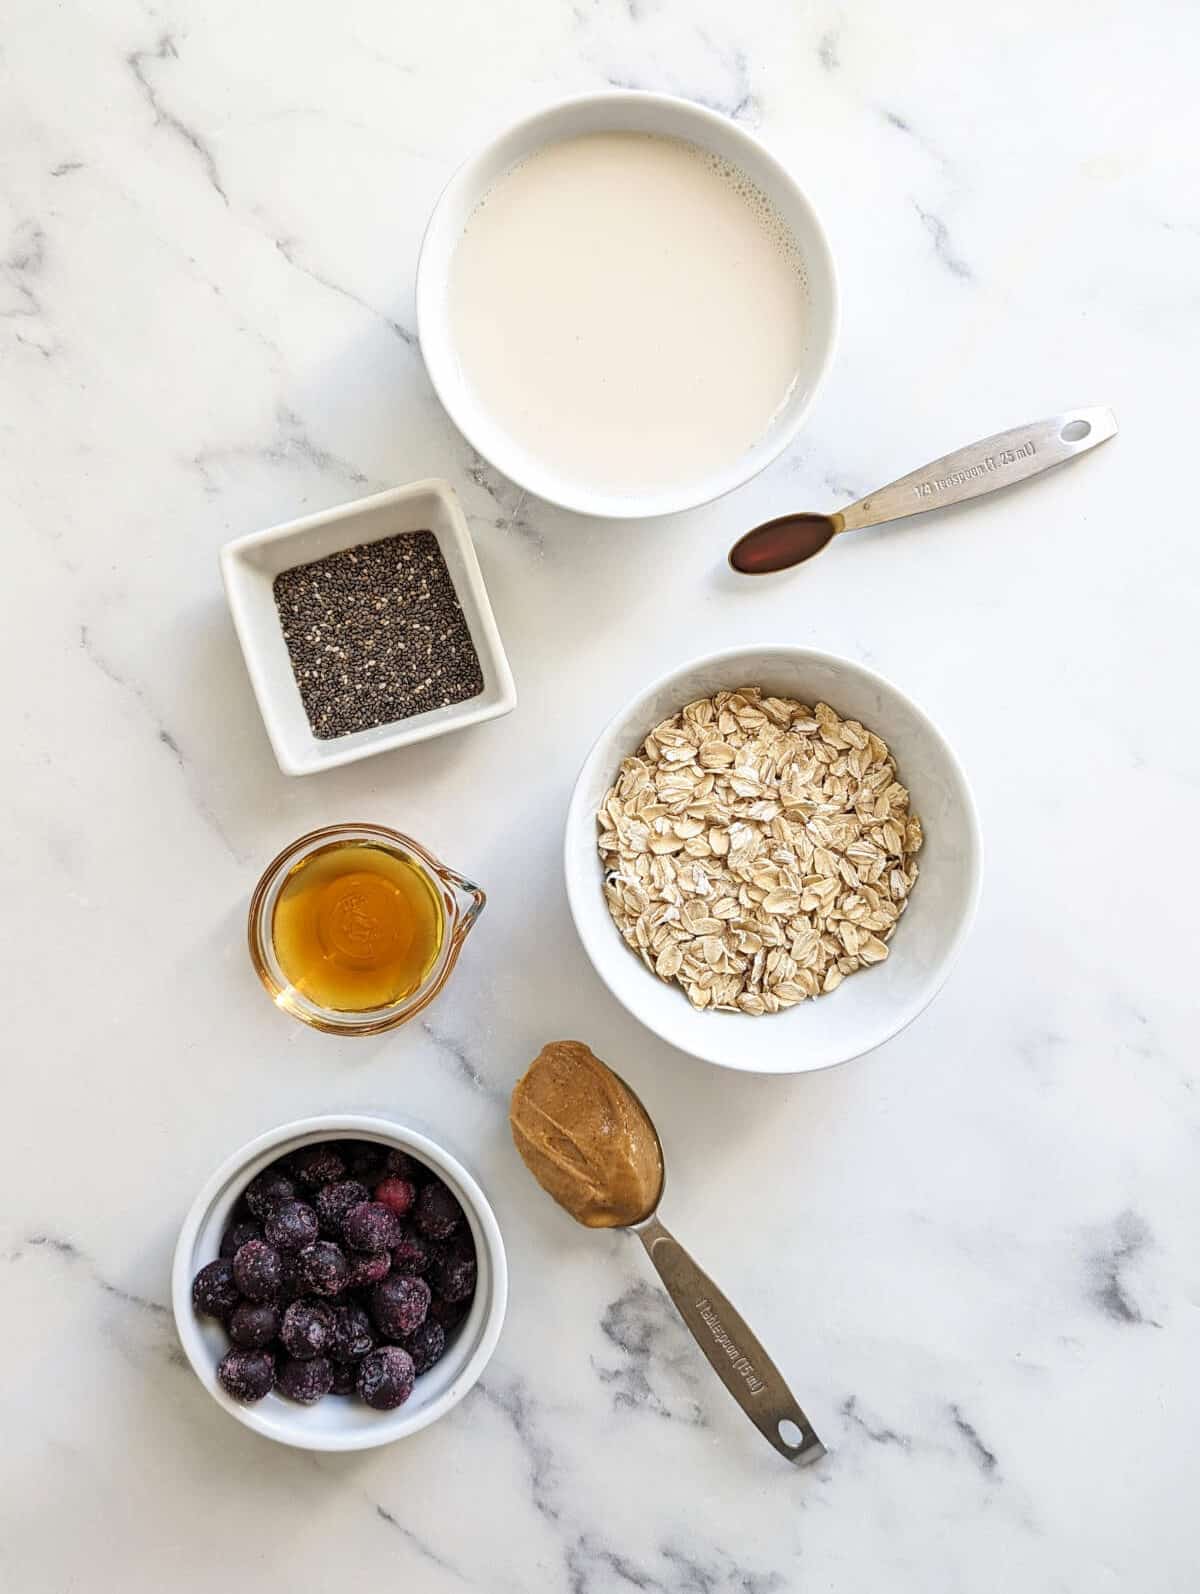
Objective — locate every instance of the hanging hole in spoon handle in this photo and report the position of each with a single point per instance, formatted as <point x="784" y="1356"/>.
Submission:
<point x="735" y="1354"/>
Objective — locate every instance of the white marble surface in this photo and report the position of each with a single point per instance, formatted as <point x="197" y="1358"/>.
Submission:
<point x="974" y="1252"/>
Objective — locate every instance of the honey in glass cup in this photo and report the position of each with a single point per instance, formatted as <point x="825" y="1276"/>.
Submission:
<point x="355" y="928"/>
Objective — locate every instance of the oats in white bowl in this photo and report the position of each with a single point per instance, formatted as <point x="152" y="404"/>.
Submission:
<point x="757" y="851"/>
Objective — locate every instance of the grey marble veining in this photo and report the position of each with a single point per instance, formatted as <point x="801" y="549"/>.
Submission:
<point x="973" y="1253"/>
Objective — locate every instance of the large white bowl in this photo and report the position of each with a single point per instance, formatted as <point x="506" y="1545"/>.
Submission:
<point x="617" y="111"/>
<point x="874" y="1004"/>
<point x="337" y="1422"/>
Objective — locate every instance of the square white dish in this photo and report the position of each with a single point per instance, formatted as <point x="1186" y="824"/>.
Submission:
<point x="249" y="567"/>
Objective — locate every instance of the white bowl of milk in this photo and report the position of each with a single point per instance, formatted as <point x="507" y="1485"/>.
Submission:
<point x="626" y="304"/>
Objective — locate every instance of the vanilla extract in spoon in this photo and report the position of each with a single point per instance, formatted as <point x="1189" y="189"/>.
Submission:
<point x="970" y="472"/>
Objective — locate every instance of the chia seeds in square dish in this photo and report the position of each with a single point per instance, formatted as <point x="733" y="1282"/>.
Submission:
<point x="376" y="634"/>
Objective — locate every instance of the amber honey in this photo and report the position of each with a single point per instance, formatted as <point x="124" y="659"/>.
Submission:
<point x="357" y="926"/>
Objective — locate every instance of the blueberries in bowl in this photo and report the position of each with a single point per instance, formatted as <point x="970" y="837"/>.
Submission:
<point x="306" y="1382"/>
<point x="385" y="1378"/>
<point x="237" y="1234"/>
<point x="453" y="1277"/>
<point x="291" y="1226"/>
<point x="247" y="1375"/>
<point x="344" y="1270"/>
<point x="214" y="1293"/>
<point x="325" y="1267"/>
<point x="365" y="1270"/>
<point x="426" y="1345"/>
<point x="372" y="1227"/>
<point x="308" y="1329"/>
<point x="334" y="1200"/>
<point x="352" y="1335"/>
<point x="399" y="1305"/>
<point x="251" y="1326"/>
<point x="267" y="1190"/>
<point x="318" y="1165"/>
<point x="257" y="1270"/>
<point x="438" y="1213"/>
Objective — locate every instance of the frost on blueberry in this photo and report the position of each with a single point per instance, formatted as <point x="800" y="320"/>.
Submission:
<point x="247" y="1375"/>
<point x="399" y="1304"/>
<point x="306" y="1381"/>
<point x="214" y="1291"/>
<point x="385" y="1378"/>
<point x="257" y="1270"/>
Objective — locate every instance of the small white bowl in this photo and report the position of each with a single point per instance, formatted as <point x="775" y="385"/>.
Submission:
<point x="249" y="567"/>
<point x="874" y="1004"/>
<point x="618" y="111"/>
<point x="339" y="1422"/>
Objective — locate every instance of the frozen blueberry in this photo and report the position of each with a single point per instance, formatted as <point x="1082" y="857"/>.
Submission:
<point x="333" y="1201"/>
<point x="318" y="1165"/>
<point x="294" y="1282"/>
<point x="214" y="1289"/>
<point x="453" y="1277"/>
<point x="308" y="1329"/>
<point x="306" y="1381"/>
<point x="247" y="1375"/>
<point x="364" y="1159"/>
<point x="238" y="1233"/>
<point x="325" y="1267"/>
<point x="258" y="1270"/>
<point x="367" y="1270"/>
<point x="426" y="1345"/>
<point x="352" y="1337"/>
<point x="411" y="1253"/>
<point x="459" y="1246"/>
<point x="448" y="1313"/>
<point x="291" y="1226"/>
<point x="397" y="1195"/>
<point x="252" y="1326"/>
<point x="399" y="1165"/>
<point x="267" y="1189"/>
<point x="385" y="1378"/>
<point x="399" y="1304"/>
<point x="344" y="1374"/>
<point x="371" y="1227"/>
<point x="438" y="1213"/>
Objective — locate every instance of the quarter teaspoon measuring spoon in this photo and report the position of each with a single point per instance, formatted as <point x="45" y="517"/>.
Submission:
<point x="969" y="472"/>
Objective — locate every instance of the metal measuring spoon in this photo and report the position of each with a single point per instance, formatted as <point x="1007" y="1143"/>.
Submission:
<point x="968" y="473"/>
<point x="560" y="1158"/>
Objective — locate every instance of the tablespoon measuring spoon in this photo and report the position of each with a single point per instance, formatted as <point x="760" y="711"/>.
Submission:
<point x="590" y="1143"/>
<point x="969" y="472"/>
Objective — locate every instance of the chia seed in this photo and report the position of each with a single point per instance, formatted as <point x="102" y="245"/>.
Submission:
<point x="375" y="634"/>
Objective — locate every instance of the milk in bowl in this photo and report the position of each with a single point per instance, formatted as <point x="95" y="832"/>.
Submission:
<point x="630" y="310"/>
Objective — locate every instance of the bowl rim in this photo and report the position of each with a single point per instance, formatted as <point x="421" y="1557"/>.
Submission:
<point x="575" y="881"/>
<point x="395" y="1424"/>
<point x="647" y="505"/>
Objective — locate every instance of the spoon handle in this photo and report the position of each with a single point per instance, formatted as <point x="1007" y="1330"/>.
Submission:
<point x="984" y="466"/>
<point x="738" y="1359"/>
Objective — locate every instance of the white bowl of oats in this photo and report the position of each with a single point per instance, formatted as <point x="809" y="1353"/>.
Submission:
<point x="772" y="859"/>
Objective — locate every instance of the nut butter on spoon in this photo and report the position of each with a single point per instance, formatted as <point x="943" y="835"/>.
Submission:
<point x="970" y="472"/>
<point x="590" y="1144"/>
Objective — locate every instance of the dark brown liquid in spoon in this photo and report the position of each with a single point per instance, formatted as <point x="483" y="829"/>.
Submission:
<point x="777" y="544"/>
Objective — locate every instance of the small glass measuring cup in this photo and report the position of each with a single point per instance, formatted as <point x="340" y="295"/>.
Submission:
<point x="461" y="901"/>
